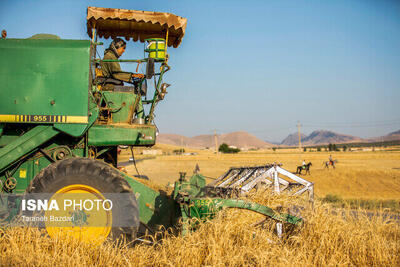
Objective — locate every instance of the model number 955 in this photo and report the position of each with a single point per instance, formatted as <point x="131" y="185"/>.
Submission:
<point x="40" y="118"/>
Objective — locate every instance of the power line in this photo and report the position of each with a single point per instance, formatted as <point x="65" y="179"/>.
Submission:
<point x="298" y="130"/>
<point x="353" y="124"/>
<point x="380" y="121"/>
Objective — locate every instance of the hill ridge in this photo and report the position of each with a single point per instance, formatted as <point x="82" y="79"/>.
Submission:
<point x="240" y="139"/>
<point x="245" y="140"/>
<point x="320" y="137"/>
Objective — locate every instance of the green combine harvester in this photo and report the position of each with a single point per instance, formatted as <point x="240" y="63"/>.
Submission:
<point x="60" y="130"/>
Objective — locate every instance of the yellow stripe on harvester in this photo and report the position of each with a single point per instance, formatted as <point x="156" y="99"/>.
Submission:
<point x="43" y="118"/>
<point x="8" y="118"/>
<point x="77" y="119"/>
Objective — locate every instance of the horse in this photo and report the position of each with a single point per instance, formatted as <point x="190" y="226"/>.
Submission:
<point x="329" y="162"/>
<point x="304" y="167"/>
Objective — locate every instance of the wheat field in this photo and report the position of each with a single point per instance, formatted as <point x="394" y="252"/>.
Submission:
<point x="328" y="238"/>
<point x="365" y="175"/>
<point x="228" y="240"/>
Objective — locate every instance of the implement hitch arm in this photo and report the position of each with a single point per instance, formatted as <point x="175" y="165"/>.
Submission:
<point x="267" y="211"/>
<point x="207" y="209"/>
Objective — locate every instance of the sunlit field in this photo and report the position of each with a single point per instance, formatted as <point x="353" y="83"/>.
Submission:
<point x="328" y="237"/>
<point x="361" y="175"/>
<point x="228" y="240"/>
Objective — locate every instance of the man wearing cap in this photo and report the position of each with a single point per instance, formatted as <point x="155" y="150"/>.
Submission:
<point x="113" y="69"/>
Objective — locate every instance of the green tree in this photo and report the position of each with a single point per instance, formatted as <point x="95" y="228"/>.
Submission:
<point x="179" y="151"/>
<point x="224" y="148"/>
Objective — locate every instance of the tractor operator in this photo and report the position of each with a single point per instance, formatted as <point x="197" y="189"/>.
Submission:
<point x="113" y="69"/>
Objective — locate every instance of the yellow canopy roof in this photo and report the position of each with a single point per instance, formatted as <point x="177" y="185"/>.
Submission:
<point x="138" y="25"/>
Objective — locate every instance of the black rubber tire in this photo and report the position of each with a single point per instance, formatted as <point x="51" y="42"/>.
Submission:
<point x="98" y="175"/>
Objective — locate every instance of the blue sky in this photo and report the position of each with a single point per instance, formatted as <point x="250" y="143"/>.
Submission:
<point x="259" y="66"/>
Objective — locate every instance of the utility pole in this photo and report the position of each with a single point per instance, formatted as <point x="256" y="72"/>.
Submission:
<point x="298" y="130"/>
<point x="216" y="142"/>
<point x="181" y="152"/>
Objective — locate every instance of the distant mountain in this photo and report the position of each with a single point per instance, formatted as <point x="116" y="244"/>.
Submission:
<point x="172" y="139"/>
<point x="273" y="142"/>
<point x="395" y="133"/>
<point x="326" y="137"/>
<point x="320" y="137"/>
<point x="202" y="141"/>
<point x="389" y="137"/>
<point x="241" y="140"/>
<point x="393" y="136"/>
<point x="293" y="139"/>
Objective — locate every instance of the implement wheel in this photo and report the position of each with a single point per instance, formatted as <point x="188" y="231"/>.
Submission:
<point x="80" y="179"/>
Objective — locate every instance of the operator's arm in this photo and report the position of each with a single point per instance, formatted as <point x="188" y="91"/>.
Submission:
<point x="118" y="74"/>
<point x="127" y="76"/>
<point x="113" y="70"/>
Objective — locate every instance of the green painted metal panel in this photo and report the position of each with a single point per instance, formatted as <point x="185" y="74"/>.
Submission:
<point x="45" y="77"/>
<point x="77" y="130"/>
<point x="27" y="171"/>
<point x="6" y="139"/>
<point x="155" y="208"/>
<point x="122" y="134"/>
<point x="121" y="104"/>
<point x="24" y="173"/>
<point x="25" y="144"/>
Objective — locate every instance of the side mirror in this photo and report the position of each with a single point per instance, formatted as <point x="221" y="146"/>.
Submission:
<point x="150" y="68"/>
<point x="163" y="92"/>
<point x="143" y="91"/>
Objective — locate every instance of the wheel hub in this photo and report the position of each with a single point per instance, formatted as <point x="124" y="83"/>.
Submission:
<point x="74" y="220"/>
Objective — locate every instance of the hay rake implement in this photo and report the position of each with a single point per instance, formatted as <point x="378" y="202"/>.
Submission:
<point x="242" y="180"/>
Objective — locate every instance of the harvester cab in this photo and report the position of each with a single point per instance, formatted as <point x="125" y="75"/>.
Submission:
<point x="121" y="104"/>
<point x="62" y="121"/>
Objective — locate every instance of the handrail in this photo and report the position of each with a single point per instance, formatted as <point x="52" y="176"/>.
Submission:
<point x="97" y="60"/>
